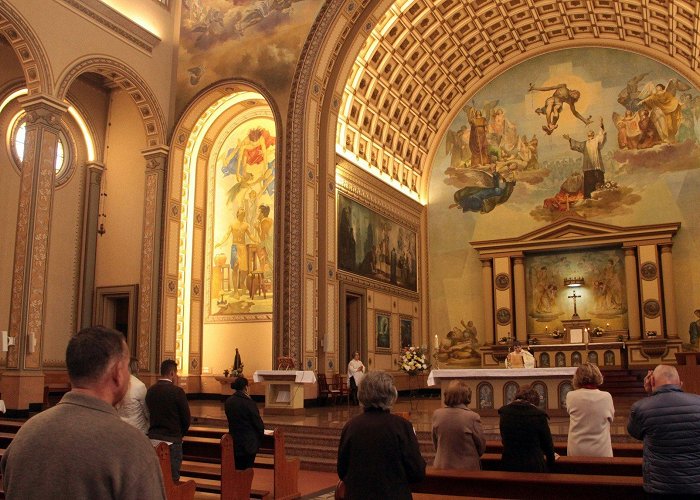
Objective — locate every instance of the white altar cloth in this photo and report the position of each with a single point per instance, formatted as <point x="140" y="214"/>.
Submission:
<point x="487" y="373"/>
<point x="300" y="377"/>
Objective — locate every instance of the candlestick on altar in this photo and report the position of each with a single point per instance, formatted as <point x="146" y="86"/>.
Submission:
<point x="437" y="342"/>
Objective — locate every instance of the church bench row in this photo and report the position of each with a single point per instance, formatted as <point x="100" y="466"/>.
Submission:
<point x="619" y="449"/>
<point x="498" y="484"/>
<point x="598" y="466"/>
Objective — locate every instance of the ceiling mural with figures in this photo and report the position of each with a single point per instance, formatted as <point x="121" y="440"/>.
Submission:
<point x="595" y="133"/>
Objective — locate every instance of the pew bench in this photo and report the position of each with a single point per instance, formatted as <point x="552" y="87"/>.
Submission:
<point x="619" y="449"/>
<point x="182" y="490"/>
<point x="499" y="484"/>
<point x="598" y="466"/>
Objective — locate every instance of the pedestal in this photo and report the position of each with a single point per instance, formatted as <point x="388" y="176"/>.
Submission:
<point x="284" y="391"/>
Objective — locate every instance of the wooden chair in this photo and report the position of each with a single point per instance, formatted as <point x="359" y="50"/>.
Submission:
<point x="285" y="363"/>
<point x="235" y="484"/>
<point x="173" y="490"/>
<point x="341" y="386"/>
<point x="326" y="392"/>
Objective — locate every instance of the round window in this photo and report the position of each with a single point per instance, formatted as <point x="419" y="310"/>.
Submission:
<point x="18" y="139"/>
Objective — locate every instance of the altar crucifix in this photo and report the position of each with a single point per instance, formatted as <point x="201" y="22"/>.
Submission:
<point x="574" y="296"/>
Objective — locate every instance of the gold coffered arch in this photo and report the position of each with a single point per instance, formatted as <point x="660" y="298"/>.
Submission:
<point x="424" y="59"/>
<point x="459" y="46"/>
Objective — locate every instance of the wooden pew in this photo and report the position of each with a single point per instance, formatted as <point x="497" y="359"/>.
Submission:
<point x="54" y="392"/>
<point x="235" y="484"/>
<point x="599" y="466"/>
<point x="173" y="491"/>
<point x="497" y="484"/>
<point x="619" y="449"/>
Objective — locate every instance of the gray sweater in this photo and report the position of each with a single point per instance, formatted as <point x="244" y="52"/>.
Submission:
<point x="80" y="449"/>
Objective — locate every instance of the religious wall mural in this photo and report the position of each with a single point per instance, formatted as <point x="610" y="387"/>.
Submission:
<point x="375" y="247"/>
<point x="260" y="41"/>
<point x="595" y="133"/>
<point x="601" y="298"/>
<point x="240" y="247"/>
<point x="460" y="347"/>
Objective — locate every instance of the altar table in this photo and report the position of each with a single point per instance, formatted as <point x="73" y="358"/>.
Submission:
<point x="284" y="391"/>
<point x="491" y="388"/>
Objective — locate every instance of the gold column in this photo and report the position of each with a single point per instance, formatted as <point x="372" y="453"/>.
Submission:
<point x="93" y="186"/>
<point x="669" y="299"/>
<point x="487" y="287"/>
<point x="520" y="300"/>
<point x="22" y="383"/>
<point x="156" y="160"/>
<point x="633" y="323"/>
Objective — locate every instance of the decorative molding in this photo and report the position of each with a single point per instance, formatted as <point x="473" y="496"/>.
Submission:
<point x="651" y="308"/>
<point x="356" y="279"/>
<point x="111" y="20"/>
<point x="502" y="281"/>
<point x="649" y="271"/>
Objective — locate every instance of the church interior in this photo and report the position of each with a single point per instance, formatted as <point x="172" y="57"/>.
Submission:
<point x="298" y="180"/>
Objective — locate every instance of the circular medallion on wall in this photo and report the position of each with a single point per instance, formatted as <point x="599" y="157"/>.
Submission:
<point x="651" y="308"/>
<point x="649" y="271"/>
<point x="502" y="281"/>
<point x="503" y="316"/>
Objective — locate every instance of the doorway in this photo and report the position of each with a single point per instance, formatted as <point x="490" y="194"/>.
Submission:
<point x="115" y="307"/>
<point x="353" y="326"/>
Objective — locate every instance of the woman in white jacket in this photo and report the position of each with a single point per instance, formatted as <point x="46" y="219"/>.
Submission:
<point x="591" y="412"/>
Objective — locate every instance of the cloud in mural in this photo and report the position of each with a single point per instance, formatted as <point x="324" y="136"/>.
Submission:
<point x="659" y="159"/>
<point x="609" y="200"/>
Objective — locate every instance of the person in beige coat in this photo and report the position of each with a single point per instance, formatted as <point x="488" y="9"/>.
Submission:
<point x="591" y="412"/>
<point x="457" y="433"/>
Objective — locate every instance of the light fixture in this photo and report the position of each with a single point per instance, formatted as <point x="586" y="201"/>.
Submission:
<point x="574" y="282"/>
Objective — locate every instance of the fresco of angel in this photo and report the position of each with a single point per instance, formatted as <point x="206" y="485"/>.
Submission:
<point x="554" y="104"/>
<point x="664" y="107"/>
<point x="478" y="139"/>
<point x="484" y="191"/>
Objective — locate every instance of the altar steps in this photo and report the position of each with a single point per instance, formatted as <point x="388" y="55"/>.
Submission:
<point x="624" y="383"/>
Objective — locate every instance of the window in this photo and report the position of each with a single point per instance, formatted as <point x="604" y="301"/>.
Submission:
<point x="18" y="133"/>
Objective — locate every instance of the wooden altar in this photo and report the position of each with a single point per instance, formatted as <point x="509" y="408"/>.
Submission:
<point x="492" y="388"/>
<point x="284" y="391"/>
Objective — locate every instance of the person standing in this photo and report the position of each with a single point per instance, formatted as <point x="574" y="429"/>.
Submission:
<point x="591" y="412"/>
<point x="80" y="448"/>
<point x="457" y="433"/>
<point x="170" y="413"/>
<point x="244" y="424"/>
<point x="519" y="358"/>
<point x="525" y="433"/>
<point x="132" y="409"/>
<point x="593" y="168"/>
<point x="668" y="422"/>
<point x="378" y="455"/>
<point x="356" y="371"/>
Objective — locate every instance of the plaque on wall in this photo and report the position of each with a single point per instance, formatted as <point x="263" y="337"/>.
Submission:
<point x="502" y="281"/>
<point x="503" y="316"/>
<point x="649" y="271"/>
<point x="652" y="308"/>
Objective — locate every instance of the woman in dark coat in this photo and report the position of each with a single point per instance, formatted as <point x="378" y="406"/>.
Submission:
<point x="244" y="424"/>
<point x="378" y="454"/>
<point x="525" y="433"/>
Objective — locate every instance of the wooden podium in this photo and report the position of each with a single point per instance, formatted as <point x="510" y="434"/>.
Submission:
<point x="284" y="390"/>
<point x="689" y="370"/>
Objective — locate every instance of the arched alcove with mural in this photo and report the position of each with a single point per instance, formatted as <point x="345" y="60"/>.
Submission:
<point x="220" y="291"/>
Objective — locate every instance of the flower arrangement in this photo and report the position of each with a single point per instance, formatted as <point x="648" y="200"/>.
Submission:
<point x="556" y="334"/>
<point x="598" y="331"/>
<point x="413" y="360"/>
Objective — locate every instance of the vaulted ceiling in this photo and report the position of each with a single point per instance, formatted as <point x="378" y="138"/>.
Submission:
<point x="425" y="58"/>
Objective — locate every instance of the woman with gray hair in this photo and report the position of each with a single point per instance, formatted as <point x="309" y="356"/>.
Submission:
<point x="378" y="454"/>
<point x="457" y="433"/>
<point x="591" y="412"/>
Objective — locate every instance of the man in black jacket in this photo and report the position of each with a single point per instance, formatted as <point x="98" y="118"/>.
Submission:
<point x="170" y="413"/>
<point x="244" y="424"/>
<point x="668" y="422"/>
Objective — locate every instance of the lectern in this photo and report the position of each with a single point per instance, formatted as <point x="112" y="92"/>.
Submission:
<point x="689" y="370"/>
<point x="284" y="390"/>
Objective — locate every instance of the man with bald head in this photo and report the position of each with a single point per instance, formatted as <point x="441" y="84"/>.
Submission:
<point x="80" y="448"/>
<point x="668" y="422"/>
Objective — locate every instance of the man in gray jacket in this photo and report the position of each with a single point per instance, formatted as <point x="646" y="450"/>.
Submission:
<point x="80" y="448"/>
<point x="668" y="422"/>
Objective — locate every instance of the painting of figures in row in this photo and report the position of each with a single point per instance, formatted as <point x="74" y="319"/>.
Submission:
<point x="375" y="247"/>
<point x="601" y="296"/>
<point x="592" y="133"/>
<point x="241" y="235"/>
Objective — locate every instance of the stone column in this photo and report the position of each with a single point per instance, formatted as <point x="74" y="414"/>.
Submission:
<point x="487" y="287"/>
<point x="633" y="323"/>
<point x="520" y="300"/>
<point x="156" y="162"/>
<point x="93" y="181"/>
<point x="22" y="383"/>
<point x="668" y="289"/>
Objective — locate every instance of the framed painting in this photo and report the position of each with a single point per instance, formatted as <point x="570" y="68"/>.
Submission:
<point x="383" y="331"/>
<point x="406" y="331"/>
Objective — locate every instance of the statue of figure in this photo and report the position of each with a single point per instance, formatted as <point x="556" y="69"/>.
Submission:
<point x="237" y="363"/>
<point x="694" y="329"/>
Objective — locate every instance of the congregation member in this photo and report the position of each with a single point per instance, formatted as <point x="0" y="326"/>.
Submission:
<point x="80" y="448"/>
<point x="244" y="424"/>
<point x="668" y="422"/>
<point x="378" y="455"/>
<point x="356" y="370"/>
<point x="170" y="414"/>
<point x="457" y="433"/>
<point x="591" y="412"/>
<point x="525" y="433"/>
<point x="132" y="409"/>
